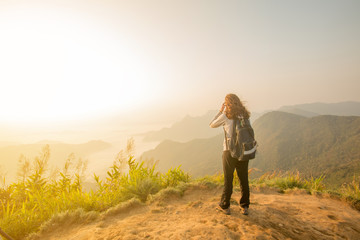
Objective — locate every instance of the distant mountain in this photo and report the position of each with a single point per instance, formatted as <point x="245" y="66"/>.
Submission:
<point x="298" y="111"/>
<point x="187" y="129"/>
<point x="190" y="128"/>
<point x="9" y="155"/>
<point x="49" y="142"/>
<point x="314" y="109"/>
<point x="327" y="145"/>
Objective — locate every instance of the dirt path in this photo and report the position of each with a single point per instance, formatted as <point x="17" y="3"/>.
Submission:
<point x="272" y="216"/>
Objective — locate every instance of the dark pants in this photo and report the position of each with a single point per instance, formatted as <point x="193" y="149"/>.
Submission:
<point x="229" y="165"/>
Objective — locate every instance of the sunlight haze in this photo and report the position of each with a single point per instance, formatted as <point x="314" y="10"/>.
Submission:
<point x="71" y="60"/>
<point x="114" y="124"/>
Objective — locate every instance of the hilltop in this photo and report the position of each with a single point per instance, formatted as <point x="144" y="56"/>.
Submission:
<point x="129" y="204"/>
<point x="294" y="215"/>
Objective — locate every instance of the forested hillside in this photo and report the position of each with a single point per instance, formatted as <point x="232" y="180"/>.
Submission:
<point x="199" y="157"/>
<point x="325" y="144"/>
<point x="328" y="145"/>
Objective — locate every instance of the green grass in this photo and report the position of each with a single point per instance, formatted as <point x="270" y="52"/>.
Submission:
<point x="283" y="182"/>
<point x="351" y="192"/>
<point x="290" y="180"/>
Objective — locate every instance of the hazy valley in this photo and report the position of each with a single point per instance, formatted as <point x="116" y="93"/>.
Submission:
<point x="306" y="137"/>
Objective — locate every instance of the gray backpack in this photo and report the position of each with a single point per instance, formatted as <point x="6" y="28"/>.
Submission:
<point x="243" y="145"/>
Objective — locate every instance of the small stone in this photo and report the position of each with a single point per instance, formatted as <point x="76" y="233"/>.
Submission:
<point x="155" y="211"/>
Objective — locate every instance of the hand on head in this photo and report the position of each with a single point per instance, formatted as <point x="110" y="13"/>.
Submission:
<point x="222" y="107"/>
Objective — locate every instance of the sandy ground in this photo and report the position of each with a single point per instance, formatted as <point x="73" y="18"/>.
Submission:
<point x="194" y="216"/>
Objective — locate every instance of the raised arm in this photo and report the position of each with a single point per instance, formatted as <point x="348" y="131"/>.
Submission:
<point x="219" y="120"/>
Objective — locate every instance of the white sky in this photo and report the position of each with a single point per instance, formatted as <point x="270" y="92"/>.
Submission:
<point x="63" y="60"/>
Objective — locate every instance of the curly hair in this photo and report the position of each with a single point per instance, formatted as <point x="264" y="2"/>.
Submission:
<point x="235" y="108"/>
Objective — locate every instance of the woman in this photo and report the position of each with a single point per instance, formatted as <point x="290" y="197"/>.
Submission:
<point x="232" y="108"/>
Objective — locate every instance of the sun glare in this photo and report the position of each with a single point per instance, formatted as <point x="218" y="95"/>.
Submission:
<point x="55" y="66"/>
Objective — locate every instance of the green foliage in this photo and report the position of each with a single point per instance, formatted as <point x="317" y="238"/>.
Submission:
<point x="315" y="184"/>
<point x="290" y="180"/>
<point x="38" y="198"/>
<point x="173" y="177"/>
<point x="217" y="179"/>
<point x="352" y="190"/>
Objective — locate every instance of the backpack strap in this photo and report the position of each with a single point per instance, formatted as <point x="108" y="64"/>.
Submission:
<point x="234" y="133"/>
<point x="226" y="142"/>
<point x="245" y="123"/>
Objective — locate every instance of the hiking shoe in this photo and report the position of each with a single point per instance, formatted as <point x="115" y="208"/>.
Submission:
<point x="245" y="211"/>
<point x="226" y="211"/>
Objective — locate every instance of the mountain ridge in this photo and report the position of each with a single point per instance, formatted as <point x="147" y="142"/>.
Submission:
<point x="346" y="108"/>
<point x="189" y="127"/>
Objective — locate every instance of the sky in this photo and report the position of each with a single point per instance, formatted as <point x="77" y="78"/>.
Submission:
<point x="155" y="60"/>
